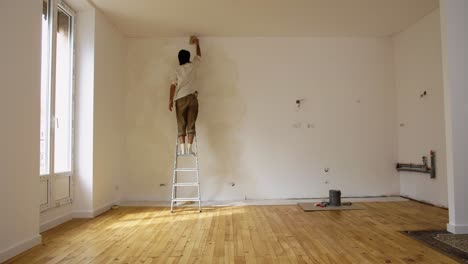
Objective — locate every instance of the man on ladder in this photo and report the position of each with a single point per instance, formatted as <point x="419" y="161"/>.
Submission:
<point x="183" y="92"/>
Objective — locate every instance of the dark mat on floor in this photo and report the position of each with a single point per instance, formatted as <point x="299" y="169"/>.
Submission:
<point x="457" y="241"/>
<point x="309" y="207"/>
<point x="443" y="241"/>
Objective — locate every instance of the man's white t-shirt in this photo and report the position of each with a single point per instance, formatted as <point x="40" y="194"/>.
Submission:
<point x="185" y="77"/>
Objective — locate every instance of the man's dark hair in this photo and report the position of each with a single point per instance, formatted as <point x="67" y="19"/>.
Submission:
<point x="184" y="57"/>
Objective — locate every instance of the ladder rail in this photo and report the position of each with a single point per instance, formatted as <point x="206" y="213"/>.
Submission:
<point x="174" y="175"/>
<point x="198" y="173"/>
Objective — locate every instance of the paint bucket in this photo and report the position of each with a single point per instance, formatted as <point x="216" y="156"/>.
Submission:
<point x="335" y="198"/>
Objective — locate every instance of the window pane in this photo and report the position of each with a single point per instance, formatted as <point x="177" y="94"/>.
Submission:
<point x="45" y="93"/>
<point x="63" y="94"/>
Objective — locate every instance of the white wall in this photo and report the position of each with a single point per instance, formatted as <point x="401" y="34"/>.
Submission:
<point x="55" y="216"/>
<point x="100" y="137"/>
<point x="248" y="88"/>
<point x="454" y="18"/>
<point x="418" y="64"/>
<point x="20" y="73"/>
<point x="109" y="113"/>
<point x="84" y="112"/>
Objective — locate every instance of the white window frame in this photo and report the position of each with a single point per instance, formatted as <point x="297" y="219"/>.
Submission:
<point x="53" y="8"/>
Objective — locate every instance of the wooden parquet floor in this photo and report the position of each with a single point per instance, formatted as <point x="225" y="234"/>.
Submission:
<point x="248" y="234"/>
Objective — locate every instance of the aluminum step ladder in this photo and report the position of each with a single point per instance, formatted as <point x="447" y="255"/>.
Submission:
<point x="176" y="184"/>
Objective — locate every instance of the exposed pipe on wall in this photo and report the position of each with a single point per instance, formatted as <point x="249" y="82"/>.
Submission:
<point x="422" y="168"/>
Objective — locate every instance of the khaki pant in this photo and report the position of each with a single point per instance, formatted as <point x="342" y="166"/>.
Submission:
<point x="186" y="112"/>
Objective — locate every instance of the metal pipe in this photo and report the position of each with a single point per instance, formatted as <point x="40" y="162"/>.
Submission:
<point x="414" y="170"/>
<point x="411" y="165"/>
<point x="433" y="165"/>
<point x="422" y="168"/>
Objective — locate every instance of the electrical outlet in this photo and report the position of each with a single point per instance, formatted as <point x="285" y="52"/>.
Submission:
<point x="116" y="187"/>
<point x="297" y="125"/>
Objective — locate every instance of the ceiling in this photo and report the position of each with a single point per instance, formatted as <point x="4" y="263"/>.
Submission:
<point x="173" y="18"/>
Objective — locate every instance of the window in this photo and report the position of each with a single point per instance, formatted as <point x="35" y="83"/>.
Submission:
<point x="56" y="137"/>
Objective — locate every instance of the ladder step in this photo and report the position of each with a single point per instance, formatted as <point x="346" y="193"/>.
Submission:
<point x="186" y="169"/>
<point x="195" y="199"/>
<point x="183" y="155"/>
<point x="183" y="184"/>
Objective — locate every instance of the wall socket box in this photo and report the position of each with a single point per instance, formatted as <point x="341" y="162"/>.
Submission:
<point x="306" y="125"/>
<point x="297" y="125"/>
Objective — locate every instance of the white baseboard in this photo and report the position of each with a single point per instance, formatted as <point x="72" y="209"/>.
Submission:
<point x="82" y="214"/>
<point x="104" y="208"/>
<point x="92" y="214"/>
<point x="265" y="202"/>
<point x="424" y="201"/>
<point x="457" y="229"/>
<point x="55" y="222"/>
<point x="20" y="247"/>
